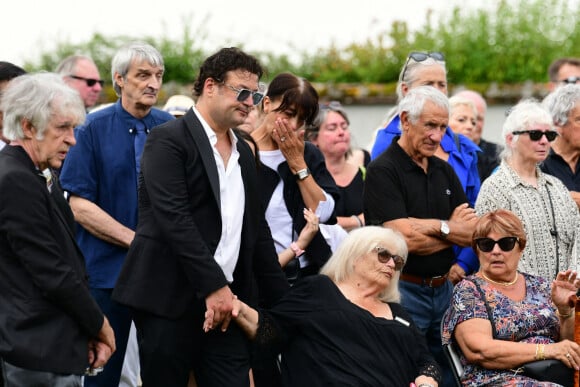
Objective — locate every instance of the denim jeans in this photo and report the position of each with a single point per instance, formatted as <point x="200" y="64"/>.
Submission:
<point x="426" y="306"/>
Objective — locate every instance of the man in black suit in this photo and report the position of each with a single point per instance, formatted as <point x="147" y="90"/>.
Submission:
<point x="202" y="236"/>
<point x="51" y="328"/>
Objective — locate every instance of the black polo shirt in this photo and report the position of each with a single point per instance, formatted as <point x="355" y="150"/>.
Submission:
<point x="396" y="187"/>
<point x="556" y="166"/>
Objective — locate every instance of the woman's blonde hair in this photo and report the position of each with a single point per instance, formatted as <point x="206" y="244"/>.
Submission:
<point x="362" y="241"/>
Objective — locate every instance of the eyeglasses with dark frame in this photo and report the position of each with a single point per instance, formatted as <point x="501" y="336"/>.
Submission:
<point x="419" y="56"/>
<point x="505" y="243"/>
<point x="243" y="94"/>
<point x="384" y="256"/>
<point x="536" y="135"/>
<point x="89" y="81"/>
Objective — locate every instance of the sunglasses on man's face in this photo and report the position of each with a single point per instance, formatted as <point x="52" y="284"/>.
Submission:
<point x="89" y="81"/>
<point x="487" y="244"/>
<point x="384" y="256"/>
<point x="243" y="94"/>
<point x="536" y="135"/>
<point x="419" y="56"/>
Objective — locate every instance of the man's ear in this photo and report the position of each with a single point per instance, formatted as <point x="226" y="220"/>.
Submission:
<point x="27" y="128"/>
<point x="405" y="121"/>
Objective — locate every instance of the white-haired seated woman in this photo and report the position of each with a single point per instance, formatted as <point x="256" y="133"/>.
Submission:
<point x="346" y="326"/>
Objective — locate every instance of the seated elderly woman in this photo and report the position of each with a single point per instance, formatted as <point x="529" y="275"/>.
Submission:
<point x="346" y="326"/>
<point x="532" y="317"/>
<point x="541" y="201"/>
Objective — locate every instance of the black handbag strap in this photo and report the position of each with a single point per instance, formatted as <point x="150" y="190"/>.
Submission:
<point x="487" y="308"/>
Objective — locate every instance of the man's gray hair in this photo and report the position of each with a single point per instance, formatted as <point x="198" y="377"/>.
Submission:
<point x="414" y="102"/>
<point x="561" y="102"/>
<point x="136" y="51"/>
<point x="36" y="97"/>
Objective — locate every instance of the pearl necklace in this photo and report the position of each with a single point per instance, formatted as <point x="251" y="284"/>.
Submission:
<point x="506" y="284"/>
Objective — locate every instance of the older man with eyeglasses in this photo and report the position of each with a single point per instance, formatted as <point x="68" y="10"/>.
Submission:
<point x="81" y="73"/>
<point x="564" y="71"/>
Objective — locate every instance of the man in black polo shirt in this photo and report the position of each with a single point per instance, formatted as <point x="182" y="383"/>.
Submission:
<point x="564" y="158"/>
<point x="409" y="189"/>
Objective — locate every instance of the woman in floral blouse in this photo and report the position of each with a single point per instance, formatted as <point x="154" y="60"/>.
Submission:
<point x="532" y="317"/>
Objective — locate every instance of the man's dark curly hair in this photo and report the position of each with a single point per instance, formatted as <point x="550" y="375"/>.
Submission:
<point x="226" y="59"/>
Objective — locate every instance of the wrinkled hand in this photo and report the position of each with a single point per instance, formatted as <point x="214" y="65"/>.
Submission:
<point x="293" y="145"/>
<point x="566" y="351"/>
<point x="564" y="289"/>
<point x="219" y="305"/>
<point x="456" y="274"/>
<point x="463" y="213"/>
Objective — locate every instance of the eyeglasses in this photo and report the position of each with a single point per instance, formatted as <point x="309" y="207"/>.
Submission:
<point x="332" y="105"/>
<point x="89" y="81"/>
<point x="505" y="243"/>
<point x="571" y="80"/>
<point x="419" y="56"/>
<point x="385" y="256"/>
<point x="243" y="94"/>
<point x="536" y="135"/>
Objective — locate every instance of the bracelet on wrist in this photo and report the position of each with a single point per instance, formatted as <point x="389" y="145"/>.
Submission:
<point x="564" y="315"/>
<point x="540" y="352"/>
<point x="296" y="249"/>
<point x="359" y="222"/>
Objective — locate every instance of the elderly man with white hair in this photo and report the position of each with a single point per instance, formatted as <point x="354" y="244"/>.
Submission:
<point x="562" y="161"/>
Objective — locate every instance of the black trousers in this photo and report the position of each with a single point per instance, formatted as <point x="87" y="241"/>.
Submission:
<point x="12" y="376"/>
<point x="169" y="349"/>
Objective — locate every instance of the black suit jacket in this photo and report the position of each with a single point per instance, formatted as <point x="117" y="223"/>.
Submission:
<point x="47" y="314"/>
<point x="170" y="264"/>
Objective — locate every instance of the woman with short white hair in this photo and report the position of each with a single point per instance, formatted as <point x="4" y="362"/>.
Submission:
<point x="541" y="201"/>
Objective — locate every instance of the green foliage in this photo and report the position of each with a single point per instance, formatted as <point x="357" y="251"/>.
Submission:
<point x="511" y="42"/>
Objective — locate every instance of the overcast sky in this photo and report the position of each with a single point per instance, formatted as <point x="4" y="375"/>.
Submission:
<point x="30" y="26"/>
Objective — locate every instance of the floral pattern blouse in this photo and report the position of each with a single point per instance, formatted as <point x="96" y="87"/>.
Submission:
<point x="532" y="320"/>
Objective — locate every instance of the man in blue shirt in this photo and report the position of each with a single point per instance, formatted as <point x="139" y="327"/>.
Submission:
<point x="101" y="176"/>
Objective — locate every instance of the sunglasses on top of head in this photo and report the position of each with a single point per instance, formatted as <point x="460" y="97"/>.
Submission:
<point x="505" y="243"/>
<point x="384" y="256"/>
<point x="536" y="135"/>
<point x="419" y="56"/>
<point x="243" y="94"/>
<point x="89" y="81"/>
<point x="332" y="105"/>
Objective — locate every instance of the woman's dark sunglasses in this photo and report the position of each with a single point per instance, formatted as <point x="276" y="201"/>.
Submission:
<point x="536" y="135"/>
<point x="385" y="256"/>
<point x="487" y="244"/>
<point x="419" y="56"/>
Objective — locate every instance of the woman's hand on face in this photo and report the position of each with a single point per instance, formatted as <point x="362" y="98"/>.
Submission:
<point x="564" y="289"/>
<point x="291" y="143"/>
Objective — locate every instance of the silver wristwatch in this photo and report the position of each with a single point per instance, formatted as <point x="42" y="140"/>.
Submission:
<point x="444" y="229"/>
<point x="303" y="174"/>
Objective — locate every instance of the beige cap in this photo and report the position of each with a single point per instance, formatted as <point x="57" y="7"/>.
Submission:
<point x="178" y="105"/>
